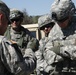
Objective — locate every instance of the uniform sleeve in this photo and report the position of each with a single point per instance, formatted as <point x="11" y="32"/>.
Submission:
<point x="10" y="57"/>
<point x="33" y="44"/>
<point x="68" y="51"/>
<point x="30" y="60"/>
<point x="50" y="55"/>
<point x="14" y="61"/>
<point x="41" y="62"/>
<point x="43" y="65"/>
<point x="51" y="58"/>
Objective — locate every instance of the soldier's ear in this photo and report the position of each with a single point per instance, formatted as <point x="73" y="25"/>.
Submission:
<point x="1" y="16"/>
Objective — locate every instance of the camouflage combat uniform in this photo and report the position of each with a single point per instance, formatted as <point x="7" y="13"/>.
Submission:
<point x="42" y="66"/>
<point x="12" y="61"/>
<point x="60" y="51"/>
<point x="22" y="37"/>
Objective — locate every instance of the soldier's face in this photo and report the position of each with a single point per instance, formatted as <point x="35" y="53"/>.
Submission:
<point x="47" y="29"/>
<point x="64" y="24"/>
<point x="3" y="23"/>
<point x="15" y="23"/>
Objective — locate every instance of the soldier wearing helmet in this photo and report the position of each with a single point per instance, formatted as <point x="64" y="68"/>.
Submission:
<point x="11" y="60"/>
<point x="60" y="51"/>
<point x="14" y="13"/>
<point x="16" y="18"/>
<point x="16" y="32"/>
<point x="45" y="24"/>
<point x="21" y="36"/>
<point x="62" y="10"/>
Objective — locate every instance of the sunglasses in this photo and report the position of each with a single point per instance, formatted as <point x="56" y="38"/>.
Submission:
<point x="47" y="26"/>
<point x="12" y="20"/>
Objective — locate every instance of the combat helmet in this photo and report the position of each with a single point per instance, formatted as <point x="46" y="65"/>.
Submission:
<point x="44" y="20"/>
<point x="61" y="9"/>
<point x="15" y="13"/>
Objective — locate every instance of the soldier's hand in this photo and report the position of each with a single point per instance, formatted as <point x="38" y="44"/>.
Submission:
<point x="56" y="49"/>
<point x="33" y="44"/>
<point x="13" y="42"/>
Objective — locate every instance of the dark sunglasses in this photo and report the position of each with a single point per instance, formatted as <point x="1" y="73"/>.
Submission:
<point x="12" y="20"/>
<point x="47" y="26"/>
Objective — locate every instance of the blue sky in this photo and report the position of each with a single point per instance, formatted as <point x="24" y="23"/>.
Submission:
<point x="33" y="7"/>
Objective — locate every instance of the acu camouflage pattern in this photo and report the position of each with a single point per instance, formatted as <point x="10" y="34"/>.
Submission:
<point x="33" y="44"/>
<point x="11" y="60"/>
<point x="15" y="13"/>
<point x="44" y="20"/>
<point x="3" y="62"/>
<point x="60" y="51"/>
<point x="42" y="65"/>
<point x="41" y="62"/>
<point x="21" y="38"/>
<point x="62" y="8"/>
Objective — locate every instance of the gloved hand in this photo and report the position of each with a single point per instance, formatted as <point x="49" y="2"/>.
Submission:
<point x="63" y="51"/>
<point x="33" y="44"/>
<point x="56" y="49"/>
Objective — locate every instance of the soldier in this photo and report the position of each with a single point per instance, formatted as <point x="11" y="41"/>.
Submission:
<point x="60" y="50"/>
<point x="11" y="59"/>
<point x="17" y="33"/>
<point x="46" y="24"/>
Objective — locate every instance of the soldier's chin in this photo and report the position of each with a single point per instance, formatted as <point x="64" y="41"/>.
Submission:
<point x="15" y="27"/>
<point x="46" y="32"/>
